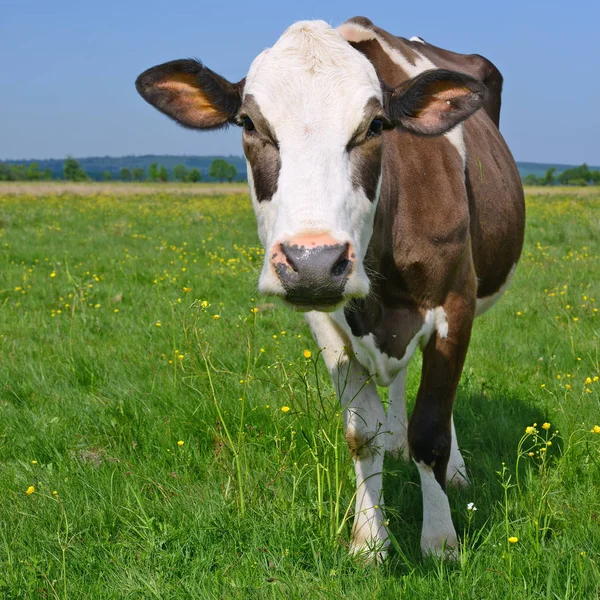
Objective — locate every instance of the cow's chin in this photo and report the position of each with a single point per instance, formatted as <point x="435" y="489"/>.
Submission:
<point x="320" y="304"/>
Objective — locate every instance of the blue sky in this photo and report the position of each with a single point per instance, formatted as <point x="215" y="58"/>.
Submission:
<point x="69" y="66"/>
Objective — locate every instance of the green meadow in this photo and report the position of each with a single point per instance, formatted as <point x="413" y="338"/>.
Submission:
<point x="165" y="432"/>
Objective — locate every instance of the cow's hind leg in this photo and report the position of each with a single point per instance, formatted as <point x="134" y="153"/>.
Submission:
<point x="430" y="427"/>
<point x="397" y="421"/>
<point x="365" y="430"/>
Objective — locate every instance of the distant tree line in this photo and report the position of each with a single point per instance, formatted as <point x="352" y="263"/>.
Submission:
<point x="581" y="175"/>
<point x="219" y="169"/>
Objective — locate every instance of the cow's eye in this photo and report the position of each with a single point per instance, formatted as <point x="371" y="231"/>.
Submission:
<point x="375" y="128"/>
<point x="247" y="124"/>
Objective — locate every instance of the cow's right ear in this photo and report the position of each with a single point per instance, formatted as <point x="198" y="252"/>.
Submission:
<point x="193" y="95"/>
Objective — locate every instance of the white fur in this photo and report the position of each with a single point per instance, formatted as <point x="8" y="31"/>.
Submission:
<point x="456" y="473"/>
<point x="484" y="304"/>
<point x="438" y="531"/>
<point x="312" y="87"/>
<point x="364" y="419"/>
<point x="416" y="38"/>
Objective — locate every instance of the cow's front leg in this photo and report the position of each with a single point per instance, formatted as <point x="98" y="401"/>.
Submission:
<point x="430" y="426"/>
<point x="365" y="431"/>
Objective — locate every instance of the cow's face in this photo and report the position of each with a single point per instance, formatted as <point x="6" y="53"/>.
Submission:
<point x="313" y="113"/>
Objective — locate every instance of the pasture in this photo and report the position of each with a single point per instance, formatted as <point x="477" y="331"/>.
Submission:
<point x="167" y="433"/>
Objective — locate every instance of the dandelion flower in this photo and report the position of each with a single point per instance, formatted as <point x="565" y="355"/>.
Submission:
<point x="30" y="490"/>
<point x="513" y="539"/>
<point x="285" y="409"/>
<point x="546" y="426"/>
<point x="180" y="443"/>
<point x="307" y="354"/>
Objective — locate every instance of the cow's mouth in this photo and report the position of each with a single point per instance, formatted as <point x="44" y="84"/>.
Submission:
<point x="322" y="304"/>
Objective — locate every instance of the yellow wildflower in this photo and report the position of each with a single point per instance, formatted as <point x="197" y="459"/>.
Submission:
<point x="513" y="539"/>
<point x="204" y="304"/>
<point x="187" y="289"/>
<point x="53" y="274"/>
<point x="285" y="409"/>
<point x="216" y="317"/>
<point x="30" y="490"/>
<point x="307" y="354"/>
<point x="180" y="443"/>
<point x="530" y="430"/>
<point x="254" y="309"/>
<point x="588" y="380"/>
<point x="546" y="426"/>
<point x="596" y="429"/>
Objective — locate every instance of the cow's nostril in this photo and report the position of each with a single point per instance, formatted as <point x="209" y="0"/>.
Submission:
<point x="288" y="257"/>
<point x="340" y="267"/>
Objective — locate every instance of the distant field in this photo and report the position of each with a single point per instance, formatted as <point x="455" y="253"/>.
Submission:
<point x="44" y="188"/>
<point x="162" y="434"/>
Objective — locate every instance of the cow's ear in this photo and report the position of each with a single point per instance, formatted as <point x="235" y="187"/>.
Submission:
<point x="193" y="95"/>
<point x="435" y="101"/>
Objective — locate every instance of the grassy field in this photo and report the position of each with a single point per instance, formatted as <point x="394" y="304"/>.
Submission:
<point x="167" y="433"/>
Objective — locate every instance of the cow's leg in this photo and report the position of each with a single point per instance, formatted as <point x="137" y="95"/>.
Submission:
<point x="397" y="421"/>
<point x="456" y="473"/>
<point x="365" y="430"/>
<point x="430" y="427"/>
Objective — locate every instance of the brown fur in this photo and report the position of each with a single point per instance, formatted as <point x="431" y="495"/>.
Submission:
<point x="443" y="236"/>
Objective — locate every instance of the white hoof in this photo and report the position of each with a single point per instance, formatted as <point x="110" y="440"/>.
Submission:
<point x="371" y="551"/>
<point x="397" y="446"/>
<point x="457" y="477"/>
<point x="443" y="547"/>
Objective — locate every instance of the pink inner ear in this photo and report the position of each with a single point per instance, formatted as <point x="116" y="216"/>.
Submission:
<point x="188" y="103"/>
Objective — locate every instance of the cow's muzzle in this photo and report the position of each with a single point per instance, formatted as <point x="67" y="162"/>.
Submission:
<point x="313" y="276"/>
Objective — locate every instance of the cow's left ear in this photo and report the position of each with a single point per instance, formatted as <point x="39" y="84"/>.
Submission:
<point x="191" y="94"/>
<point x="435" y="101"/>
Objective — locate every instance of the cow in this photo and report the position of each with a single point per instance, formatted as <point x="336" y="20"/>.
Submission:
<point x="391" y="213"/>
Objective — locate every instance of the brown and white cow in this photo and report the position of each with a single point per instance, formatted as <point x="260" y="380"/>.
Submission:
<point x="390" y="209"/>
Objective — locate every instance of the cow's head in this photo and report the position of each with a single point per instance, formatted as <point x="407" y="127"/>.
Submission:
<point x="313" y="113"/>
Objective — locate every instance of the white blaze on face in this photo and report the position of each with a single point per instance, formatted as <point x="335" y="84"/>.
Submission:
<point x="312" y="88"/>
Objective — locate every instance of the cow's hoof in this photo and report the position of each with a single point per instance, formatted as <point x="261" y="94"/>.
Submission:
<point x="371" y="552"/>
<point x="457" y="477"/>
<point x="445" y="548"/>
<point x="397" y="446"/>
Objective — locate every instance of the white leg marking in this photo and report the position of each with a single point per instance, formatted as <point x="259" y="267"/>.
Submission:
<point x="365" y="429"/>
<point x="397" y="420"/>
<point x="438" y="536"/>
<point x="456" y="474"/>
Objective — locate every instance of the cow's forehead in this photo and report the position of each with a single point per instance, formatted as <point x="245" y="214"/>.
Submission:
<point x="312" y="70"/>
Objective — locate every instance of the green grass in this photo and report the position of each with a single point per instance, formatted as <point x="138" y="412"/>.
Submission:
<point x="112" y="353"/>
